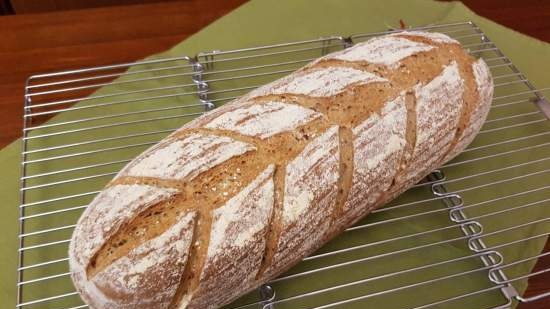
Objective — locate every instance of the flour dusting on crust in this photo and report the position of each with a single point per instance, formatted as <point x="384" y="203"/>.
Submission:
<point x="237" y="222"/>
<point x="321" y="82"/>
<point x="386" y="50"/>
<point x="438" y="109"/>
<point x="186" y="157"/>
<point x="311" y="176"/>
<point x="265" y="119"/>
<point x="433" y="36"/>
<point x="237" y="242"/>
<point x="484" y="85"/>
<point x="150" y="274"/>
<point x="107" y="212"/>
<point x="378" y="145"/>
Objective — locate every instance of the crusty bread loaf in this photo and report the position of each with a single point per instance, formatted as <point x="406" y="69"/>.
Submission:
<point x="239" y="195"/>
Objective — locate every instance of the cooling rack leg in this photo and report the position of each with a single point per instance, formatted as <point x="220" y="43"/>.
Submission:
<point x="455" y="203"/>
<point x="348" y="42"/>
<point x="324" y="50"/>
<point x="210" y="60"/>
<point x="202" y="86"/>
<point x="267" y="294"/>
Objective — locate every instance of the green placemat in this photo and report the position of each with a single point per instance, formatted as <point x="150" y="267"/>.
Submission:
<point x="266" y="22"/>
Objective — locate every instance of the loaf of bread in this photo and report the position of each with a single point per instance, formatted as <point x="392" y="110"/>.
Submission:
<point x="244" y="192"/>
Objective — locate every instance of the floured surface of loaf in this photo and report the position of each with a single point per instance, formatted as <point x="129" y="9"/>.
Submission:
<point x="243" y="193"/>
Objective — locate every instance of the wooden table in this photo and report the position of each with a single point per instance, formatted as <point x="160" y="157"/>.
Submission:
<point x="37" y="43"/>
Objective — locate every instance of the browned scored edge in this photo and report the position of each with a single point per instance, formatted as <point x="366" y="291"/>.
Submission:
<point x="410" y="138"/>
<point x="346" y="166"/>
<point x="275" y="223"/>
<point x="470" y="96"/>
<point x="191" y="262"/>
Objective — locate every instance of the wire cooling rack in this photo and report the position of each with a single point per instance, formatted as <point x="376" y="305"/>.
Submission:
<point x="442" y="244"/>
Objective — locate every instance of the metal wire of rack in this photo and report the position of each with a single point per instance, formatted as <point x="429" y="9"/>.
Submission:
<point x="442" y="243"/>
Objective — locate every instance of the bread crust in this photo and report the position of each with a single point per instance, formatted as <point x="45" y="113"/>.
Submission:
<point x="241" y="194"/>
